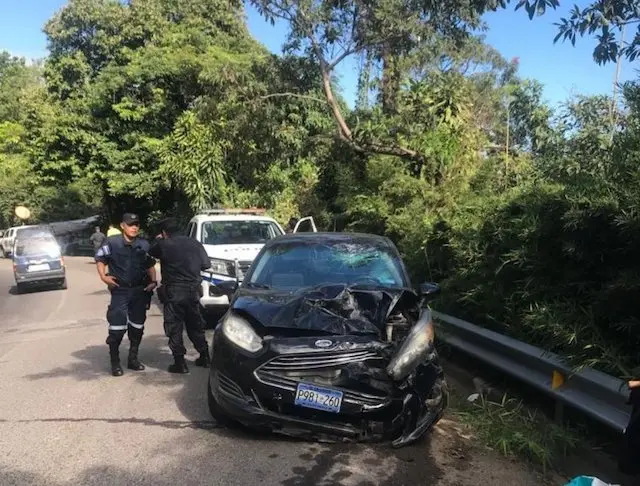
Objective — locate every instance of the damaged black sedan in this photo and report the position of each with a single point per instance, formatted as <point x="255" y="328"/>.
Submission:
<point x="326" y="339"/>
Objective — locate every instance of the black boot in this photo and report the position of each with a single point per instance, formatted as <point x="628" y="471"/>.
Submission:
<point x="133" y="363"/>
<point x="179" y="366"/>
<point x="113" y="341"/>
<point x="116" y="369"/>
<point x="204" y="360"/>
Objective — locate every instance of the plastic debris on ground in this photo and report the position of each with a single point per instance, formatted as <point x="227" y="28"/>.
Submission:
<point x="588" y="481"/>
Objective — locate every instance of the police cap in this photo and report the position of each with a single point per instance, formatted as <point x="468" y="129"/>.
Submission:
<point x="130" y="218"/>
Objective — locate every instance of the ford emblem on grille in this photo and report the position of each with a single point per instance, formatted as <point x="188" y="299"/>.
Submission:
<point x="323" y="343"/>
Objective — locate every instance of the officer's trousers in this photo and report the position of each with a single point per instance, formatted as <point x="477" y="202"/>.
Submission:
<point x="126" y="314"/>
<point x="182" y="311"/>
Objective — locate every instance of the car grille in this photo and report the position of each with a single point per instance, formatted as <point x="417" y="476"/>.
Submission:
<point x="229" y="386"/>
<point x="320" y="367"/>
<point x="318" y="360"/>
<point x="243" y="267"/>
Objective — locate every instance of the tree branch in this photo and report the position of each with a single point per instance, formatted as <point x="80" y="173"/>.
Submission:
<point x="293" y="95"/>
<point x="340" y="58"/>
<point x="344" y="132"/>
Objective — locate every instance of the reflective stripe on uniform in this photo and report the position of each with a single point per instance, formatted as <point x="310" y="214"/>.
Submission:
<point x="117" y="328"/>
<point x="133" y="324"/>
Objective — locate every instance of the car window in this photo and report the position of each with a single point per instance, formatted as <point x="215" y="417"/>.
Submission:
<point x="191" y="230"/>
<point x="238" y="232"/>
<point x="297" y="264"/>
<point x="33" y="231"/>
<point x="40" y="246"/>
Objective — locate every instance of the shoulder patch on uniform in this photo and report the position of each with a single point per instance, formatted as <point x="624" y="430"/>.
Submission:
<point x="103" y="251"/>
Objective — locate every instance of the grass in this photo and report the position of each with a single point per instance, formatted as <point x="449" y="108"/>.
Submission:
<point x="514" y="430"/>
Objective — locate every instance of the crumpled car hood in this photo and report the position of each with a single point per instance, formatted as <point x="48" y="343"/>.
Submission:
<point x="331" y="309"/>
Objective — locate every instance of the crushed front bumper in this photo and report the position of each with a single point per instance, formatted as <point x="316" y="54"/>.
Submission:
<point x="253" y="391"/>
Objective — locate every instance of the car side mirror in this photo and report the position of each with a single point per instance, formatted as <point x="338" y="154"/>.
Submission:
<point x="228" y="285"/>
<point x="429" y="290"/>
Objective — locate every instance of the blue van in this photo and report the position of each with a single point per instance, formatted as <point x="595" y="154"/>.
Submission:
<point x="38" y="261"/>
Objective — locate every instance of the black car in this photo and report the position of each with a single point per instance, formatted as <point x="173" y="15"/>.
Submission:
<point x="325" y="339"/>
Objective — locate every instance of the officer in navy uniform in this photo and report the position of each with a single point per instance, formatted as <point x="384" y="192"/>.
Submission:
<point x="131" y="278"/>
<point x="181" y="259"/>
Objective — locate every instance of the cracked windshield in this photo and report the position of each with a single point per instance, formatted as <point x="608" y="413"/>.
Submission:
<point x="311" y="242"/>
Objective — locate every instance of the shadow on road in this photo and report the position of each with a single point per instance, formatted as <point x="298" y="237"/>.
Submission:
<point x="93" y="362"/>
<point x="99" y="292"/>
<point x="13" y="290"/>
<point x="315" y="464"/>
<point x="109" y="475"/>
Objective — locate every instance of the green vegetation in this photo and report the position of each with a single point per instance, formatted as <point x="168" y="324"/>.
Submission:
<point x="528" y="216"/>
<point x="512" y="429"/>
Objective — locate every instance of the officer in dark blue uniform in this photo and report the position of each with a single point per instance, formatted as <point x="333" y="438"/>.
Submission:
<point x="182" y="259"/>
<point x="131" y="278"/>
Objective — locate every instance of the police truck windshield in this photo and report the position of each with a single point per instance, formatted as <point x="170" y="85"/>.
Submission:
<point x="238" y="232"/>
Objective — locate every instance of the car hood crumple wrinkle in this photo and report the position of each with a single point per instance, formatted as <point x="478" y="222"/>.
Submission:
<point x="337" y="309"/>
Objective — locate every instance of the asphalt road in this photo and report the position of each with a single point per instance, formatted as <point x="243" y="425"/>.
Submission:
<point x="64" y="420"/>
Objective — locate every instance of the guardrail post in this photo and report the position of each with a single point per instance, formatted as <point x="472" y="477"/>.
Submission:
<point x="557" y="380"/>
<point x="559" y="413"/>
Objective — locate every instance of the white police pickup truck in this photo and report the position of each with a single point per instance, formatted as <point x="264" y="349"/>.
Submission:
<point x="232" y="239"/>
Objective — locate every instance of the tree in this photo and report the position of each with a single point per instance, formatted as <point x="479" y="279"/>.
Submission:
<point x="121" y="75"/>
<point x="388" y="30"/>
<point x="609" y="18"/>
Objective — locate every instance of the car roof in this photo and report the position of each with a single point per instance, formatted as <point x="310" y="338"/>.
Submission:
<point x="22" y="226"/>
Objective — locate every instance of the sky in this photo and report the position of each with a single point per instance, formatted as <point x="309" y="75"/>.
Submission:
<point x="564" y="70"/>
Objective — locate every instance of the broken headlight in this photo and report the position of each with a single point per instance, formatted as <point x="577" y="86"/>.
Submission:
<point x="415" y="348"/>
<point x="240" y="333"/>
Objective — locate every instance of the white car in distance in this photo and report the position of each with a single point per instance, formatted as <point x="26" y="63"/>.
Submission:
<point x="232" y="238"/>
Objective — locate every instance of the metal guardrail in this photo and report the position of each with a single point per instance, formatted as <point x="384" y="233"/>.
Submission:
<point x="601" y="396"/>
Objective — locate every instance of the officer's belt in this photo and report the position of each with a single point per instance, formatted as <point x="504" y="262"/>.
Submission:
<point x="186" y="285"/>
<point x="125" y="285"/>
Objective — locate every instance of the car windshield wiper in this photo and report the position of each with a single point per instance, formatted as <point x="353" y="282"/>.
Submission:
<point x="258" y="285"/>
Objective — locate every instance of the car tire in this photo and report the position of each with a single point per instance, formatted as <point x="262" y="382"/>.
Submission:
<point x="20" y="288"/>
<point x="63" y="284"/>
<point x="214" y="408"/>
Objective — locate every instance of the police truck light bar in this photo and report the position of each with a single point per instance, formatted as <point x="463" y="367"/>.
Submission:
<point x="256" y="211"/>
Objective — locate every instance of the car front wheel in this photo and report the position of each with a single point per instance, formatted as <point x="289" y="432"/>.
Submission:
<point x="214" y="408"/>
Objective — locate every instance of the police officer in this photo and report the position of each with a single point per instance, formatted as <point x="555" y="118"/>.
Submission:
<point x="181" y="259"/>
<point x="130" y="279"/>
<point x="292" y="224"/>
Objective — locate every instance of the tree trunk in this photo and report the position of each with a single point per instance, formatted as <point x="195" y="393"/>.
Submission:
<point x="390" y="80"/>
<point x="364" y="80"/>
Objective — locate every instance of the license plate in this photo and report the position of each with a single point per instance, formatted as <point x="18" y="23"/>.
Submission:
<point x="38" y="268"/>
<point x="311" y="396"/>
